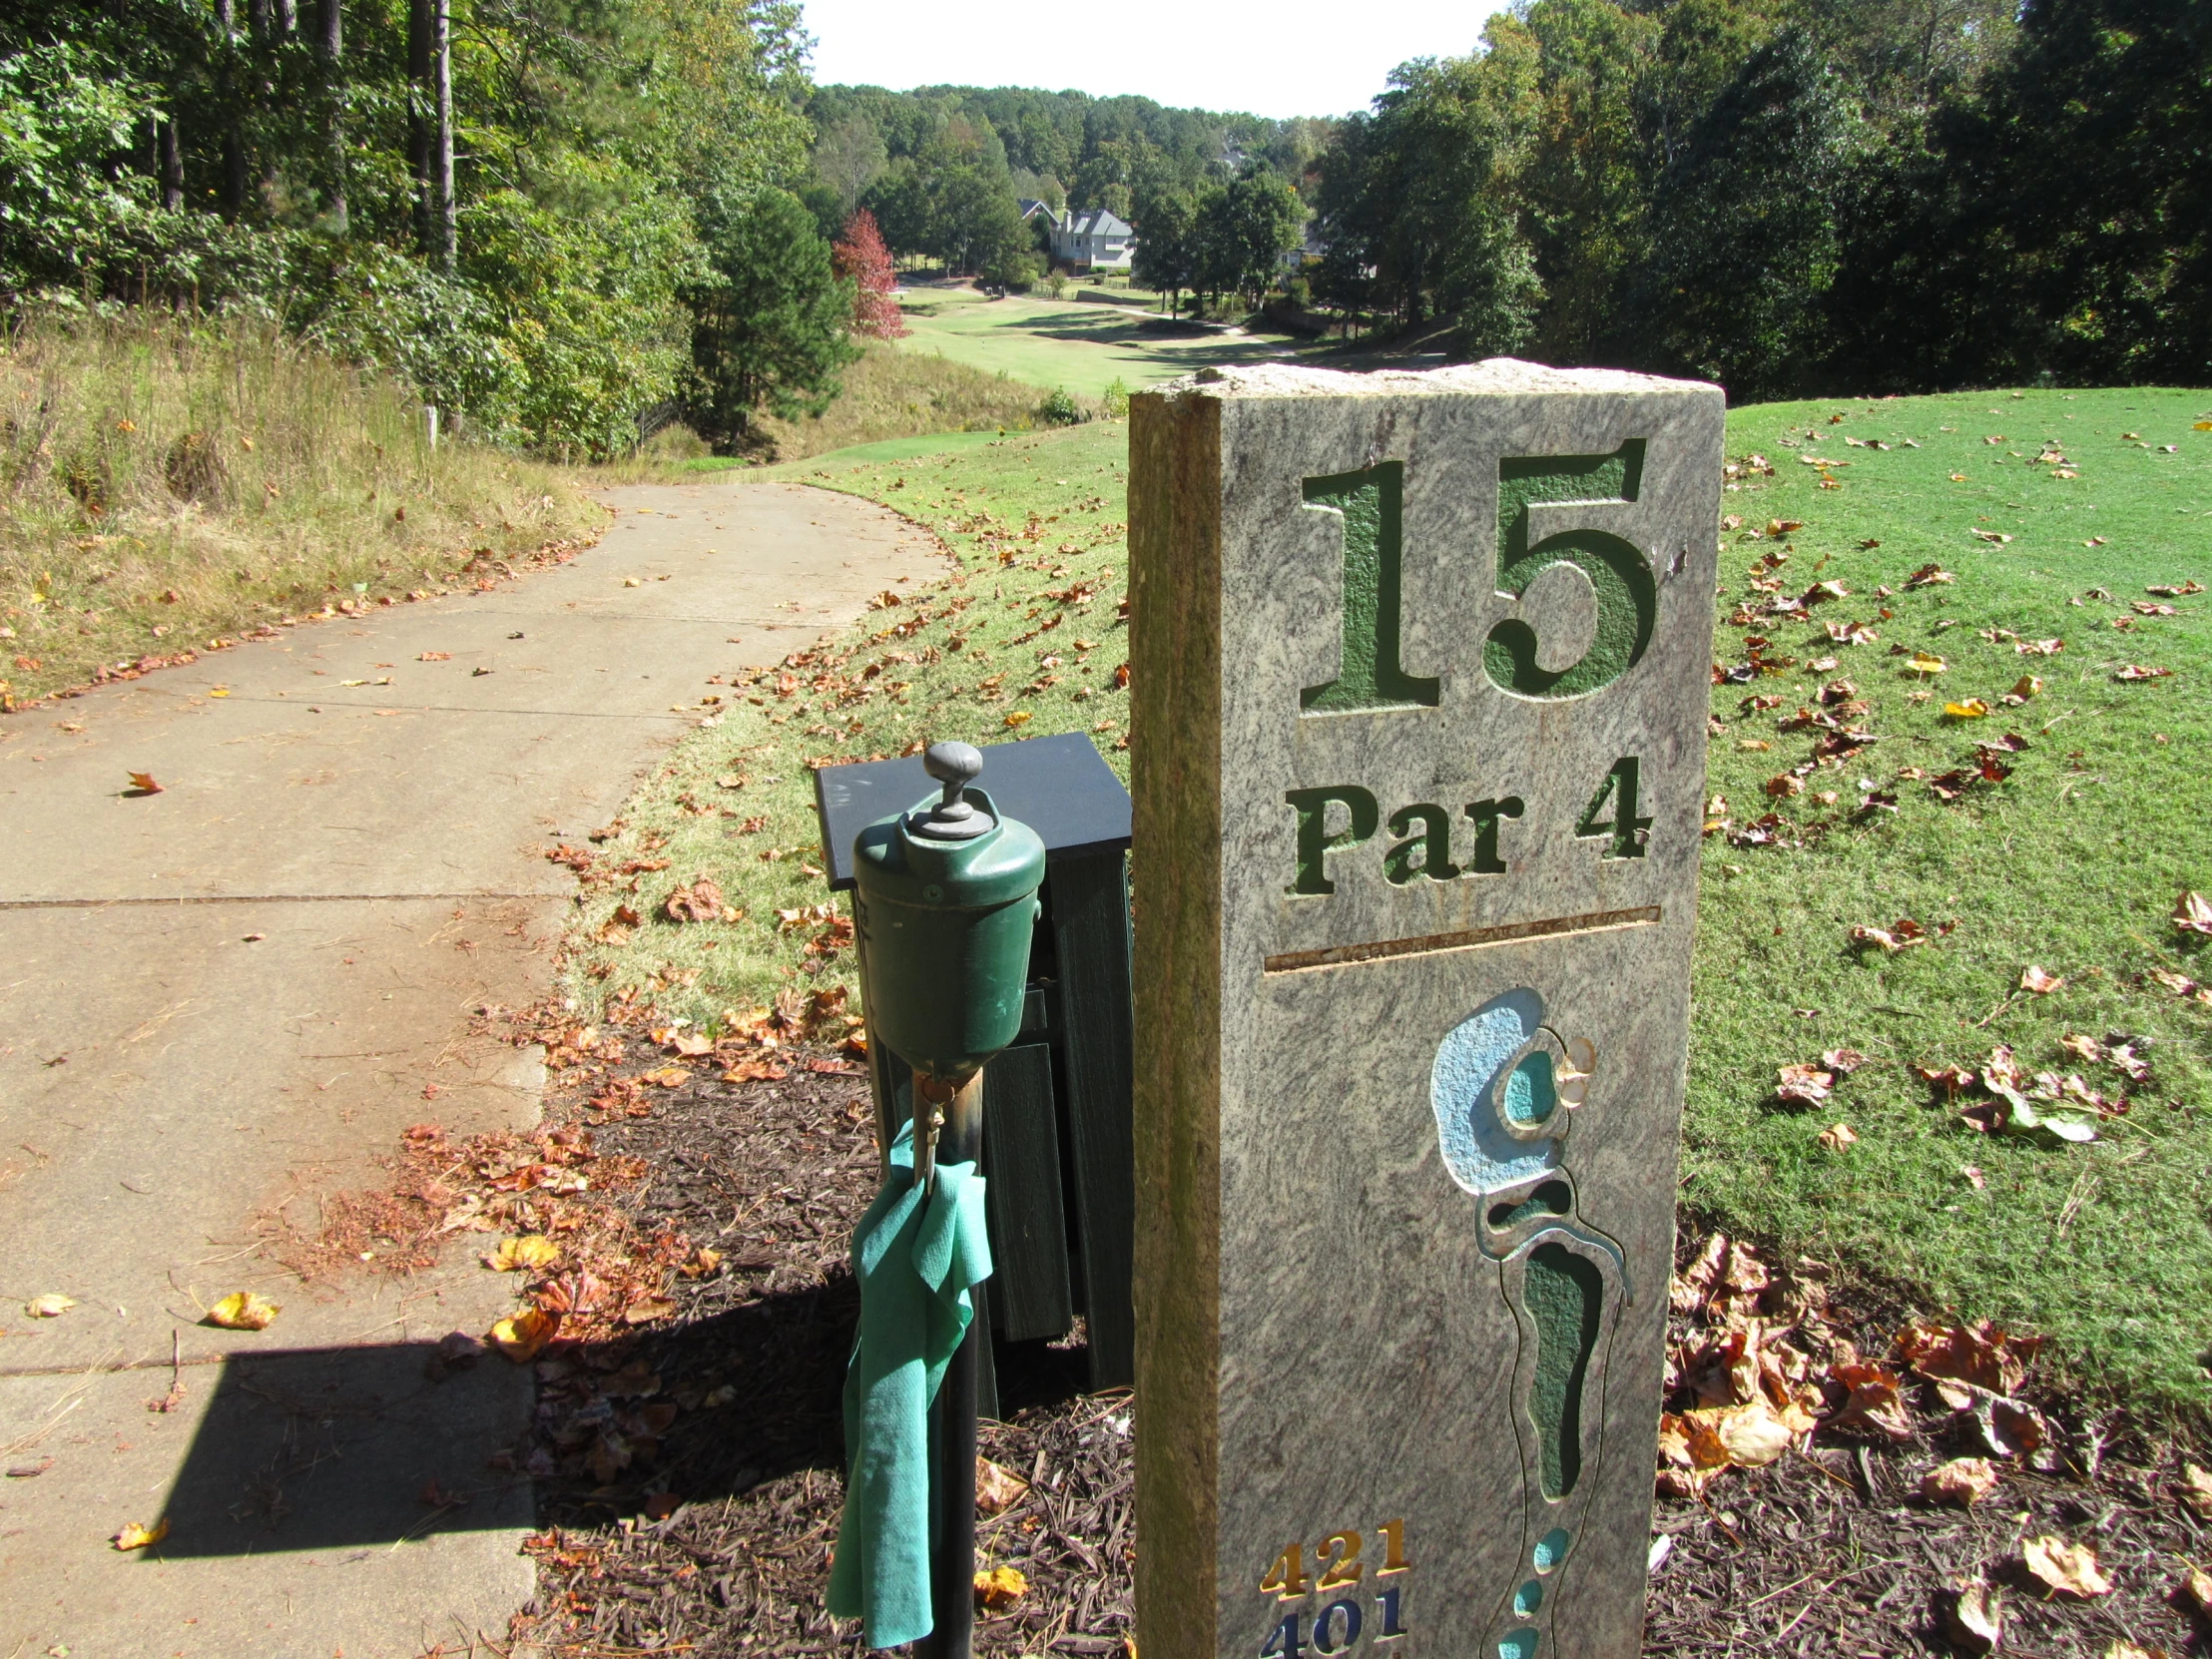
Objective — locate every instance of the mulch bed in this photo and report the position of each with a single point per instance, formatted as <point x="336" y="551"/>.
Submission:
<point x="689" y="1461"/>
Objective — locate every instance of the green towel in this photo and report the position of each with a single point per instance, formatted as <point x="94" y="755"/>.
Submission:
<point x="915" y="1263"/>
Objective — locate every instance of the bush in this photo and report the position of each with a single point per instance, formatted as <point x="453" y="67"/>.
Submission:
<point x="1058" y="283"/>
<point x="1117" y="398"/>
<point x="1060" y="409"/>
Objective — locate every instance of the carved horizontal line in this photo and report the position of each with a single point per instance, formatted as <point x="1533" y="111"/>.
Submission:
<point x="1474" y="938"/>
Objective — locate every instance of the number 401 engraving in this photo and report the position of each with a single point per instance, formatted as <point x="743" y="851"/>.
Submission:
<point x="1336" y="1560"/>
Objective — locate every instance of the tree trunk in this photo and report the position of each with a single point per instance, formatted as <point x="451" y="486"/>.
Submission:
<point x="333" y="93"/>
<point x="449" y="224"/>
<point x="262" y="17"/>
<point x="172" y="167"/>
<point x="234" y="136"/>
<point x="421" y="29"/>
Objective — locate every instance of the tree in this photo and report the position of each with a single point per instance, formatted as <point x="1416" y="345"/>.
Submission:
<point x="771" y="320"/>
<point x="860" y="256"/>
<point x="1167" y="226"/>
<point x="1243" y="230"/>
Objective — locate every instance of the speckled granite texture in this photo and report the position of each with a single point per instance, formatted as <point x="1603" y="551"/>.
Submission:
<point x="1420" y="663"/>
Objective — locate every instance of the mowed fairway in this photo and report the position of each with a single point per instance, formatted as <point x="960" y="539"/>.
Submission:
<point x="1084" y="347"/>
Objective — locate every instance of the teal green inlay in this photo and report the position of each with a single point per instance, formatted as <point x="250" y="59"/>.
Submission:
<point x="1527" y="1599"/>
<point x="1518" y="1645"/>
<point x="1432" y="842"/>
<point x="1627" y="594"/>
<point x="1550" y="1551"/>
<point x="1623" y="786"/>
<point x="1529" y="1096"/>
<point x="1554" y="1198"/>
<point x="1371" y="505"/>
<point x="1564" y="1294"/>
<point x="1315" y="842"/>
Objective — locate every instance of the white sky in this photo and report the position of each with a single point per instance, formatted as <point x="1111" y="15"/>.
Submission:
<point x="1292" y="56"/>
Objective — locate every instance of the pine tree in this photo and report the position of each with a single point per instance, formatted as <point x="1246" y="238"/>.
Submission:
<point x="860" y="253"/>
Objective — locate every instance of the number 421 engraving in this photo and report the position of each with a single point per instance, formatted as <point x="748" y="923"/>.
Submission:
<point x="1337" y="1626"/>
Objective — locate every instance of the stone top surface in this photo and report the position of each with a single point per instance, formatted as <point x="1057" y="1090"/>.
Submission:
<point x="1492" y="375"/>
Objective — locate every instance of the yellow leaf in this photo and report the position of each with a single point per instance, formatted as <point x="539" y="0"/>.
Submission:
<point x="135" y="1536"/>
<point x="1838" y="1137"/>
<point x="51" y="1305"/>
<point x="1020" y="716"/>
<point x="2199" y="1585"/>
<point x="2202" y="426"/>
<point x="532" y="1250"/>
<point x="2028" y="686"/>
<point x="2069" y="1568"/>
<point x="1972" y="709"/>
<point x="1000" y="1587"/>
<point x="521" y="1337"/>
<point x="244" y="1311"/>
<point x="1925" y="662"/>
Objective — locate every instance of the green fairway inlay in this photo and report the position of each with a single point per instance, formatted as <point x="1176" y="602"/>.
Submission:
<point x="1565" y="1296"/>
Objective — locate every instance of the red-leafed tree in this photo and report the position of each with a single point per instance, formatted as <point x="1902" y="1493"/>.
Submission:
<point x="862" y="255"/>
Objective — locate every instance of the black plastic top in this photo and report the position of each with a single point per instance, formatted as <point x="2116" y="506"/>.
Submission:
<point x="1060" y="787"/>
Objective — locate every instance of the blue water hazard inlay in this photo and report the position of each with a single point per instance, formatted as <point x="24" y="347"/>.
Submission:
<point x="1527" y="1599"/>
<point x="1550" y="1551"/>
<point x="1481" y="1150"/>
<point x="1518" y="1645"/>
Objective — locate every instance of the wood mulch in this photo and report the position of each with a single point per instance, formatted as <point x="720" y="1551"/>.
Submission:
<point x="690" y="1472"/>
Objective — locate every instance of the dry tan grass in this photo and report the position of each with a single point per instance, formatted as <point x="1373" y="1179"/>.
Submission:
<point x="891" y="393"/>
<point x="167" y="482"/>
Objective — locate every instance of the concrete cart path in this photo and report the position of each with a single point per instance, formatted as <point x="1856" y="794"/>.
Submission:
<point x="233" y="994"/>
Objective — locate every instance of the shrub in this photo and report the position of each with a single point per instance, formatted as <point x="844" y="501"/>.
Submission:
<point x="1059" y="408"/>
<point x="1117" y="398"/>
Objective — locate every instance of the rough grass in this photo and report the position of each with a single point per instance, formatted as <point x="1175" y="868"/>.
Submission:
<point x="2072" y="863"/>
<point x="165" y="483"/>
<point x="891" y="393"/>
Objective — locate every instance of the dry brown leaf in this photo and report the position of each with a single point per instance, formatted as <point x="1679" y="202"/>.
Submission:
<point x="2064" y="1568"/>
<point x="2034" y="978"/>
<point x="244" y="1311"/>
<point x="1837" y="1137"/>
<point x="1964" y="1482"/>
<point x="997" y="1489"/>
<point x="1877" y="1399"/>
<point x="2196" y="1490"/>
<point x="142" y="783"/>
<point x="1983" y="1355"/>
<point x="648" y="1308"/>
<point x="1807" y="1085"/>
<point x="135" y="1536"/>
<point x="2193" y="913"/>
<point x="1749" y="1437"/>
<point x="2198" y="1584"/>
<point x="522" y="1337"/>
<point x="666" y="1077"/>
<point x="1975" y="1615"/>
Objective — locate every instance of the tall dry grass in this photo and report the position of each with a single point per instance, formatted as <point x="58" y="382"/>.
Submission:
<point x="168" y="482"/>
<point x="891" y="393"/>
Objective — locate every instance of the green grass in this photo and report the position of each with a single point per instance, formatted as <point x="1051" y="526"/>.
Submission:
<point x="1084" y="347"/>
<point x="2072" y="863"/>
<point x="170" y="482"/>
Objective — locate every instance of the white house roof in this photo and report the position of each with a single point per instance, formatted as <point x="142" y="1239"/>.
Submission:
<point x="1098" y="222"/>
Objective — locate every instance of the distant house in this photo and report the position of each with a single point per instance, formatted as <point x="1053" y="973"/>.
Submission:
<point x="1030" y="209"/>
<point x="1093" y="241"/>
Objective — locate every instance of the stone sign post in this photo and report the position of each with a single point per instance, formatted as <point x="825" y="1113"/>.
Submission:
<point x="1421" y="666"/>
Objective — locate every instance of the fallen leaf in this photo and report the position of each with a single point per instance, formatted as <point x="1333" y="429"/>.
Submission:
<point x="51" y="1305"/>
<point x="1020" y="716"/>
<point x="1925" y="662"/>
<point x="2198" y="1583"/>
<point x="1995" y="536"/>
<point x="135" y="1536"/>
<point x="1972" y="709"/>
<point x="1964" y="1482"/>
<point x="531" y="1250"/>
<point x="700" y="901"/>
<point x="666" y="1077"/>
<point x="2136" y="670"/>
<point x="2193" y="913"/>
<point x="1807" y="1085"/>
<point x="142" y="783"/>
<point x="1877" y="1399"/>
<point x="646" y="1309"/>
<point x="1839" y="1136"/>
<point x="2034" y="978"/>
<point x="2026" y="686"/>
<point x="244" y="1311"/>
<point x="1750" y="1436"/>
<point x="1000" y="1587"/>
<point x="2067" y="1570"/>
<point x="2196" y="1490"/>
<point x="1975" y="1615"/>
<point x="1985" y="1356"/>
<point x="997" y="1489"/>
<point x="522" y="1337"/>
<point x="1845" y="1060"/>
<point x="2176" y="590"/>
<point x="435" y="657"/>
